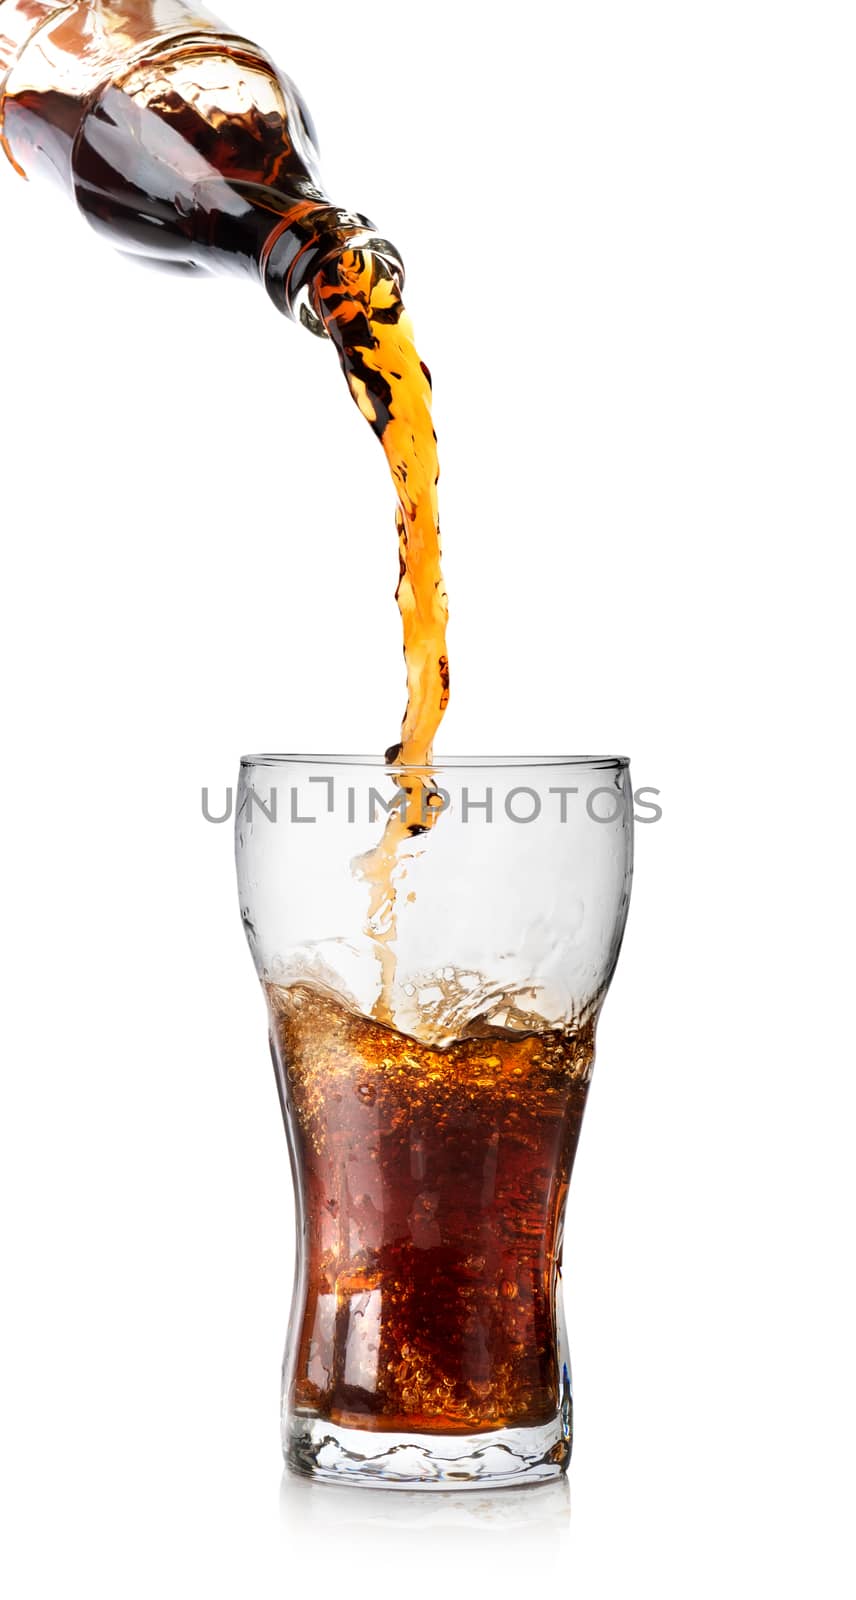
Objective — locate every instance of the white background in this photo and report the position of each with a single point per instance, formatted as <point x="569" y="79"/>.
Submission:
<point x="630" y="240"/>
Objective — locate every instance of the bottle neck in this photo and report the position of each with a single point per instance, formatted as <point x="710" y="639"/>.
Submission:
<point x="299" y="245"/>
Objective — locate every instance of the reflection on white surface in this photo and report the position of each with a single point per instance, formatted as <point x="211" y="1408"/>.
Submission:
<point x="336" y="1511"/>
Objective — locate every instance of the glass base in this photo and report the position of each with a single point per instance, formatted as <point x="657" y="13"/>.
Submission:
<point x="511" y="1456"/>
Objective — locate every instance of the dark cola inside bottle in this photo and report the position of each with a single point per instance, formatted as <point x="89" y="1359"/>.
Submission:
<point x="179" y="139"/>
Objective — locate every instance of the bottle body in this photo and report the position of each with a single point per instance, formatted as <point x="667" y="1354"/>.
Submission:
<point x="179" y="139"/>
<point x="55" y="58"/>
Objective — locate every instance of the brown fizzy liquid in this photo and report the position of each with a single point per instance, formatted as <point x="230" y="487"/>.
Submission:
<point x="432" y="1185"/>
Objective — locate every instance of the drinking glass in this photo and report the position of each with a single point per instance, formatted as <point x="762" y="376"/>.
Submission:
<point x="434" y="946"/>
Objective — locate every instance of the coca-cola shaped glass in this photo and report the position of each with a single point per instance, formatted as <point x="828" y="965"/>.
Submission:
<point x="433" y="990"/>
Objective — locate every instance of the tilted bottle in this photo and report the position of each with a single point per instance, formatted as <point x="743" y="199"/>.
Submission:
<point x="179" y="139"/>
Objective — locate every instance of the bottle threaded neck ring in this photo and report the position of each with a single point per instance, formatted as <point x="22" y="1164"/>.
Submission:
<point x="300" y="244"/>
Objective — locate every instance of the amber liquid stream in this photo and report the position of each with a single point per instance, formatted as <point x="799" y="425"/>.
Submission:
<point x="359" y="301"/>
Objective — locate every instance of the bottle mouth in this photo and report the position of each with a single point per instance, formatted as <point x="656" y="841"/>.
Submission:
<point x="303" y="242"/>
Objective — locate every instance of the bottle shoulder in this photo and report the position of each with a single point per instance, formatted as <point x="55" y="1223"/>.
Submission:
<point x="174" y="59"/>
<point x="224" y="98"/>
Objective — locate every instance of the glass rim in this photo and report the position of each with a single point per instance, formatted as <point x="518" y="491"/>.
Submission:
<point x="440" y="763"/>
